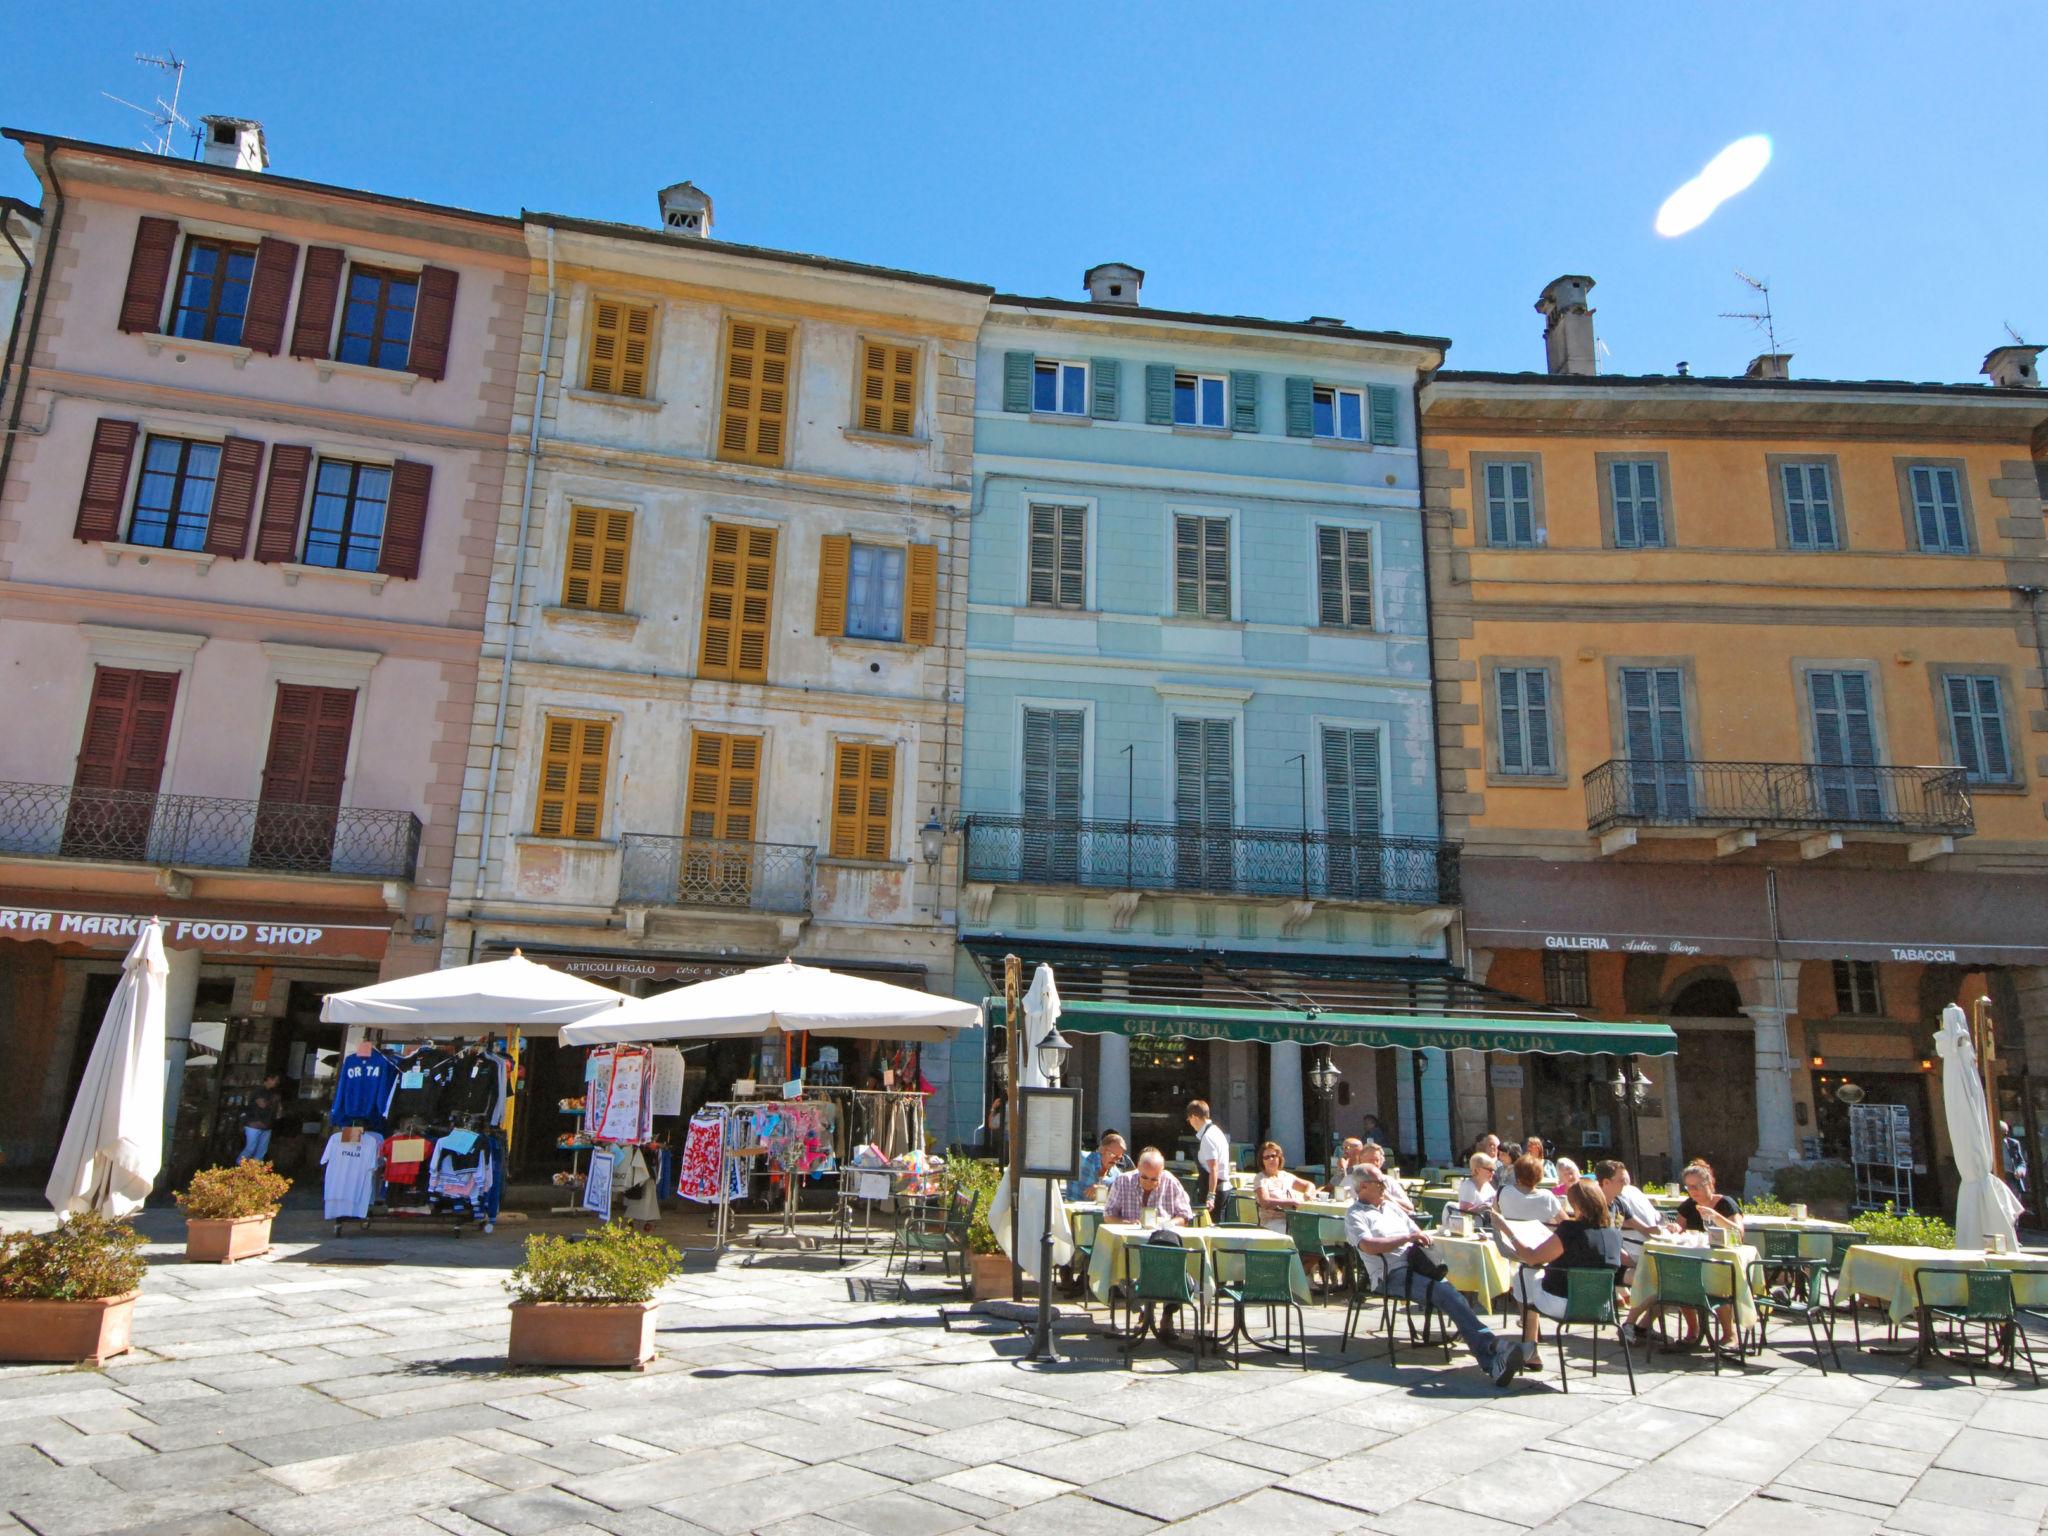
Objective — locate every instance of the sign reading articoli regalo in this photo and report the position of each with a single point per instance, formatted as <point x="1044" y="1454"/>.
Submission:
<point x="231" y="935"/>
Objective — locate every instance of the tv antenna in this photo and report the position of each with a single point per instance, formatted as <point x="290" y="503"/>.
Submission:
<point x="2017" y="339"/>
<point x="1760" y="318"/>
<point x="164" y="117"/>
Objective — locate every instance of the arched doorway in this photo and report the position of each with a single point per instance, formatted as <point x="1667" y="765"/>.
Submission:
<point x="1716" y="1071"/>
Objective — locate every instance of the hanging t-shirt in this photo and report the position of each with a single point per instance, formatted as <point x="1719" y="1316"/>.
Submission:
<point x="421" y="1079"/>
<point x="351" y="1175"/>
<point x="473" y="1086"/>
<point x="362" y="1089"/>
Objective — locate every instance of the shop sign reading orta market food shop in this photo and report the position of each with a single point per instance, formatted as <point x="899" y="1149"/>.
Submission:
<point x="223" y="934"/>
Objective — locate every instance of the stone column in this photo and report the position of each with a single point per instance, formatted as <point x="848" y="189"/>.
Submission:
<point x="1768" y="1001"/>
<point x="1113" y="1086"/>
<point x="181" y="997"/>
<point x="1283" y="1099"/>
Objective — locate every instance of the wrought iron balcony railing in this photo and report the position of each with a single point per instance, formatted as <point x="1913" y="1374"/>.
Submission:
<point x="1249" y="861"/>
<point x="58" y="821"/>
<point x="660" y="871"/>
<point x="1816" y="797"/>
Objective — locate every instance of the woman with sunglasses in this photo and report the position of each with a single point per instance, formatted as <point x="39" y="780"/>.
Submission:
<point x="1276" y="1189"/>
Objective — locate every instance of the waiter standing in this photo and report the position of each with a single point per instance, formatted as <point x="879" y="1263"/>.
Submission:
<point x="1212" y="1156"/>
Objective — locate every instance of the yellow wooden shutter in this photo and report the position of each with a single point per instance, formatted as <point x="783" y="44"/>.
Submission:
<point x="725" y="775"/>
<point x="574" y="754"/>
<point x="888" y="388"/>
<point x="921" y="594"/>
<point x="739" y="599"/>
<point x="619" y="339"/>
<point x="600" y="552"/>
<point x="756" y="404"/>
<point x="863" y="784"/>
<point x="835" y="558"/>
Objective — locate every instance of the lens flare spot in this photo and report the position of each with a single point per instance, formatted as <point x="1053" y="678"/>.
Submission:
<point x="1732" y="171"/>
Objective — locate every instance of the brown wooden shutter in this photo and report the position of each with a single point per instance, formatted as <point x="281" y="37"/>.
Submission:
<point x="921" y="594"/>
<point x="309" y="736"/>
<point x="234" y="497"/>
<point x="574" y="754"/>
<point x="405" y="519"/>
<point x="752" y="425"/>
<point x="433" y="322"/>
<point x="888" y="388"/>
<point x="863" y="781"/>
<point x="127" y="730"/>
<point x="319" y="298"/>
<point x="725" y="774"/>
<point x="270" y="295"/>
<point x="106" y="481"/>
<point x="835" y="560"/>
<point x="619" y="337"/>
<point x="284" y="498"/>
<point x="149" y="274"/>
<point x="739" y="598"/>
<point x="600" y="554"/>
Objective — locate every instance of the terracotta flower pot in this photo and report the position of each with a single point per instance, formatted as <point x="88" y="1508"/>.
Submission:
<point x="990" y="1275"/>
<point x="225" y="1241"/>
<point x="568" y="1333"/>
<point x="67" y="1332"/>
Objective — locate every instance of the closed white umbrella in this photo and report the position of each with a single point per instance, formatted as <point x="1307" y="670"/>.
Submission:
<point x="787" y="999"/>
<point x="1983" y="1203"/>
<point x="486" y="998"/>
<point x="1041" y="1013"/>
<point x="113" y="1146"/>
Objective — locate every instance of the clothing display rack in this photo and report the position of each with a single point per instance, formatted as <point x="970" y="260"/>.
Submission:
<point x="435" y="1115"/>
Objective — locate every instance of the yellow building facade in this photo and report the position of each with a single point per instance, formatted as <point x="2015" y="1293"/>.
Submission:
<point x="1741" y="722"/>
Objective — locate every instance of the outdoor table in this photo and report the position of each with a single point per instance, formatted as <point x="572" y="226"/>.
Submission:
<point x="1884" y="1273"/>
<point x="1816" y="1237"/>
<point x="1477" y="1266"/>
<point x="1736" y="1259"/>
<point x="1208" y="1249"/>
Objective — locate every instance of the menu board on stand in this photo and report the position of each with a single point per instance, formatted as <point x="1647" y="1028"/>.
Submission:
<point x="1881" y="1153"/>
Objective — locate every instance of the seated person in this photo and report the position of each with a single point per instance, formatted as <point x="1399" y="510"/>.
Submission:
<point x="1705" y="1209"/>
<point x="1383" y="1235"/>
<point x="1375" y="1158"/>
<point x="1583" y="1240"/>
<point x="1533" y="1147"/>
<point x="1109" y="1159"/>
<point x="1276" y="1189"/>
<point x="1349" y="1156"/>
<point x="1634" y="1215"/>
<point x="1526" y="1199"/>
<point x="1477" y="1191"/>
<point x="1567" y="1176"/>
<point x="1149" y="1187"/>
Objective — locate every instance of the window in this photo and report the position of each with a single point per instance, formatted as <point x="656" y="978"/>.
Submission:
<point x="1653" y="723"/>
<point x="600" y="552"/>
<point x="888" y="388"/>
<point x="213" y="291"/>
<point x="346" y="531"/>
<point x="1845" y="745"/>
<point x="756" y="402"/>
<point x="1976" y="722"/>
<point x="376" y="319"/>
<point x="1856" y="989"/>
<point x="863" y="782"/>
<point x="1937" y="492"/>
<point x="1059" y="389"/>
<point x="120" y="763"/>
<point x="1340" y="413"/>
<point x="302" y="777"/>
<point x="1198" y="400"/>
<point x="1522" y="698"/>
<point x="174" y="496"/>
<point x="1344" y="578"/>
<point x="1567" y="979"/>
<point x="1809" y="506"/>
<point x="574" y="756"/>
<point x="1637" y="504"/>
<point x="1050" y="839"/>
<point x="1059" y="557"/>
<point x="1201" y="567"/>
<point x="739" y="596"/>
<point x="1511" y="504"/>
<point x="1351" y="812"/>
<point x="874" y="592"/>
<point x="1204" y="803"/>
<point x="620" y="336"/>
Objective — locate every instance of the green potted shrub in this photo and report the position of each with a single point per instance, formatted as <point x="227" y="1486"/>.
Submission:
<point x="1892" y="1227"/>
<point x="68" y="1295"/>
<point x="589" y="1300"/>
<point x="228" y="1211"/>
<point x="988" y="1267"/>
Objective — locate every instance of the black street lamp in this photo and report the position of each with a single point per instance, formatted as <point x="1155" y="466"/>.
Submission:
<point x="1323" y="1077"/>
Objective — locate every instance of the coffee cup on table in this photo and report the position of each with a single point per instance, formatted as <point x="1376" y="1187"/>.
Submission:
<point x="1799" y="1213"/>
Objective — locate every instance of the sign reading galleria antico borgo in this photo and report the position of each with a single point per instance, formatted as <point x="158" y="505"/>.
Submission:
<point x="226" y="935"/>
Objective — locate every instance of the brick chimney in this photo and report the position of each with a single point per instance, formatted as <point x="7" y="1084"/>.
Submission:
<point x="1568" y="326"/>
<point x="1769" y="365"/>
<point x="1114" y="282"/>
<point x="2014" y="367"/>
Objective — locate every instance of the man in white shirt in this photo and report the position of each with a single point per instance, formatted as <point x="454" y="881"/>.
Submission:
<point x="1633" y="1212"/>
<point x="1212" y="1156"/>
<point x="1384" y="1236"/>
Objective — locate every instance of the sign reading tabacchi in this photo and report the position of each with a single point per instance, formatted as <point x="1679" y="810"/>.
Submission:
<point x="232" y="934"/>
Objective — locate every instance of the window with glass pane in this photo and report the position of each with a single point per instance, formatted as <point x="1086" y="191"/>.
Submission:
<point x="1198" y="400"/>
<point x="1523" y="697"/>
<point x="1059" y="388"/>
<point x="174" y="495"/>
<point x="1856" y="990"/>
<point x="1976" y="717"/>
<point x="376" y="320"/>
<point x="1339" y="413"/>
<point x="1938" y="509"/>
<point x="1638" y="504"/>
<point x="1059" y="553"/>
<point x="346" y="530"/>
<point x="1567" y="979"/>
<point x="1201" y="567"/>
<point x="1510" y="505"/>
<point x="874" y="592"/>
<point x="213" y="291"/>
<point x="1809" y="507"/>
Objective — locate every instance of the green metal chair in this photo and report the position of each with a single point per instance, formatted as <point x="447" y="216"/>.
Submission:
<point x="1240" y="1209"/>
<point x="1084" y="1225"/>
<point x="1156" y="1276"/>
<point x="933" y="1228"/>
<point x="1589" y="1303"/>
<point x="1306" y="1230"/>
<point x="1682" y="1282"/>
<point x="1429" y="1210"/>
<point x="1268" y="1281"/>
<point x="1797" y="1298"/>
<point x="1987" y="1305"/>
<point x="1829" y="1277"/>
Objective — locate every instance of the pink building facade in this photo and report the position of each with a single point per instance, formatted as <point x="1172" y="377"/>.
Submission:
<point x="256" y="447"/>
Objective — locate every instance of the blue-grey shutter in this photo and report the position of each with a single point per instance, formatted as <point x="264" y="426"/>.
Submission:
<point x="1536" y="708"/>
<point x="1798" y="512"/>
<point x="1507" y="687"/>
<point x="1244" y="402"/>
<point x="1301" y="407"/>
<point x="1820" y="495"/>
<point x="1649" y="505"/>
<point x="1962" y="724"/>
<point x="1103" y="376"/>
<point x="1159" y="394"/>
<point x="1496" y="493"/>
<point x="1386" y="413"/>
<point x="1017" y="368"/>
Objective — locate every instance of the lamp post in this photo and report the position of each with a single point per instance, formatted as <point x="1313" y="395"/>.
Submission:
<point x="1053" y="1050"/>
<point x="1323" y="1077"/>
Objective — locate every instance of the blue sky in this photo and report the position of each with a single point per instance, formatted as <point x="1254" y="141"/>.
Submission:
<point x="1425" y="167"/>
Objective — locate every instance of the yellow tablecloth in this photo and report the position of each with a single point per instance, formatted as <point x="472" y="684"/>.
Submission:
<point x="1477" y="1266"/>
<point x="1107" y="1264"/>
<point x="1727" y="1275"/>
<point x="1816" y="1237"/>
<point x="1885" y="1273"/>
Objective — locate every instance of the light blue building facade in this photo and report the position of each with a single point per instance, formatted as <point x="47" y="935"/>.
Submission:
<point x="1199" y="762"/>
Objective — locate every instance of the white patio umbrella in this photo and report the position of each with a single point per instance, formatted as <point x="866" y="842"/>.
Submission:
<point x="1983" y="1203"/>
<point x="1041" y="1013"/>
<point x="787" y="999"/>
<point x="113" y="1145"/>
<point x="513" y="993"/>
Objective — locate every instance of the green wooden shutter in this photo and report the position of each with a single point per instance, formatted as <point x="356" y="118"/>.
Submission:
<point x="1244" y="402"/>
<point x="1301" y="407"/>
<point x="1159" y="394"/>
<point x="1103" y="376"/>
<point x="1385" y="413"/>
<point x="1017" y="380"/>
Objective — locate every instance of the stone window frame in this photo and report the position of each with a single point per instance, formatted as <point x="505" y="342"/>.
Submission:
<point x="1489" y="667"/>
<point x="1902" y="472"/>
<point x="1539" y="529"/>
<point x="1938" y="674"/>
<point x="1777" y="464"/>
<point x="1802" y="698"/>
<point x="1667" y="504"/>
<point x="1617" y="715"/>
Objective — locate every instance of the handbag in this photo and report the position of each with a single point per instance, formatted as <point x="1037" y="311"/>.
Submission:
<point x="1426" y="1264"/>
